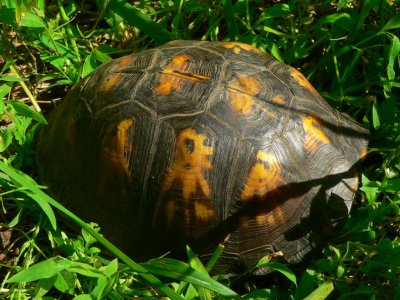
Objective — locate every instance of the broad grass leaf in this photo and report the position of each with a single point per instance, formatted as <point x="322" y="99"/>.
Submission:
<point x="4" y="90"/>
<point x="7" y="65"/>
<point x="43" y="286"/>
<point x="343" y="4"/>
<point x="362" y="290"/>
<point x="259" y="294"/>
<point x="214" y="258"/>
<point x="54" y="266"/>
<point x="61" y="50"/>
<point x="65" y="281"/>
<point x="177" y="20"/>
<point x="7" y="15"/>
<point x="65" y="81"/>
<point x="111" y="268"/>
<point x="277" y="10"/>
<point x="283" y="269"/>
<point x="178" y="270"/>
<point x="83" y="297"/>
<point x="32" y="20"/>
<point x="355" y="56"/>
<point x="104" y="283"/>
<point x="272" y="30"/>
<point x="44" y="269"/>
<point x="365" y="236"/>
<point x="89" y="65"/>
<point x="391" y="185"/>
<point x="370" y="188"/>
<point x="387" y="252"/>
<point x="375" y="115"/>
<point x="24" y="110"/>
<point x="393" y="57"/>
<point x="55" y="61"/>
<point x="196" y="264"/>
<point x="16" y="219"/>
<point x="11" y="78"/>
<point x="367" y="6"/>
<point x="342" y="20"/>
<point x="230" y="19"/>
<point x="93" y="60"/>
<point x="22" y="180"/>
<point x="393" y="23"/>
<point x="309" y="280"/>
<point x="100" y="56"/>
<point x="6" y="137"/>
<point x="85" y="269"/>
<point x="136" y="18"/>
<point x="341" y="271"/>
<point x="322" y="292"/>
<point x="2" y="106"/>
<point x="40" y="7"/>
<point x="100" y="288"/>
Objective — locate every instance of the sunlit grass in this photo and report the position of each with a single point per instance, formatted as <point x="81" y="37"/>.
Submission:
<point x="349" y="50"/>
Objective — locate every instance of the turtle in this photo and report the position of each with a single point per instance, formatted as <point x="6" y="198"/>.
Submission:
<point x="201" y="144"/>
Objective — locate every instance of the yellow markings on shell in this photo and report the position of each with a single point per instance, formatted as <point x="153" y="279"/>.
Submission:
<point x="179" y="62"/>
<point x="246" y="84"/>
<point x="110" y="82"/>
<point x="363" y="153"/>
<point x="270" y="113"/>
<point x="175" y="74"/>
<point x="241" y="94"/>
<point x="170" y="209"/>
<point x="265" y="176"/>
<point x="125" y="61"/>
<point x="188" y="168"/>
<point x="265" y="219"/>
<point x="244" y="222"/>
<point x="118" y="148"/>
<point x="189" y="165"/>
<point x="301" y="80"/>
<point x="275" y="217"/>
<point x="203" y="211"/>
<point x="313" y="133"/>
<point x="172" y="43"/>
<point x="241" y="103"/>
<point x="279" y="99"/>
<point x="238" y="47"/>
<point x="354" y="184"/>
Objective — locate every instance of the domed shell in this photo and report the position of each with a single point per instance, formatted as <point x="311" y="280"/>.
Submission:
<point x="201" y="143"/>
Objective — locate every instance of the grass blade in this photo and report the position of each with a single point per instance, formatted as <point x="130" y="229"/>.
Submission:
<point x="44" y="200"/>
<point x="136" y="18"/>
<point x="52" y="267"/>
<point x="26" y="111"/>
<point x="22" y="180"/>
<point x="196" y="264"/>
<point x="216" y="255"/>
<point x="178" y="270"/>
<point x="230" y="19"/>
<point x="322" y="292"/>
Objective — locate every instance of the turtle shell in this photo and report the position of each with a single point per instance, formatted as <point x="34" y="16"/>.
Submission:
<point x="201" y="143"/>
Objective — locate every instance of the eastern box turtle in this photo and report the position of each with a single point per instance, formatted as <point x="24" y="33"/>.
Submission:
<point x="199" y="143"/>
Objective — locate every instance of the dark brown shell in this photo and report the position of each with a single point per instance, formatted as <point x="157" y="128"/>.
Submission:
<point x="200" y="142"/>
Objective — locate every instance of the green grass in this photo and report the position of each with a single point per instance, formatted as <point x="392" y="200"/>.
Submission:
<point x="349" y="50"/>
